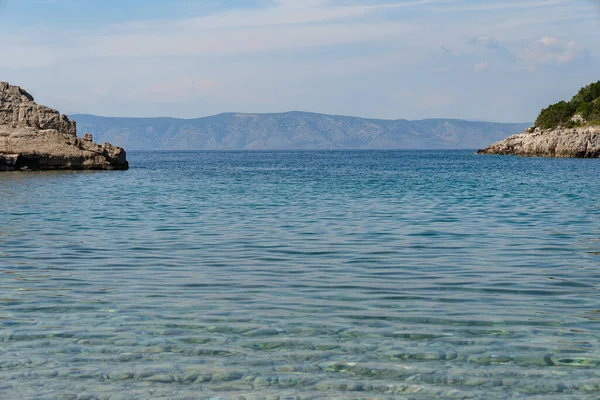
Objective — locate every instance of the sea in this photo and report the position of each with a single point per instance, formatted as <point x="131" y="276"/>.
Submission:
<point x="302" y="275"/>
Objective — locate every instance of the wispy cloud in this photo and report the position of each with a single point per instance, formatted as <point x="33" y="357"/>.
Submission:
<point x="549" y="50"/>
<point x="343" y="56"/>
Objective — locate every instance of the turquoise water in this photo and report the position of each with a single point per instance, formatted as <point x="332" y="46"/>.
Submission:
<point x="386" y="274"/>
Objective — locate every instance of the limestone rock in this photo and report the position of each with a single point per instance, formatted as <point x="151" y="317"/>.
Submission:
<point x="33" y="136"/>
<point x="581" y="142"/>
<point x="578" y="119"/>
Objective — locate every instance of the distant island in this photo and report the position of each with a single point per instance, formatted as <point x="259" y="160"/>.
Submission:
<point x="35" y="137"/>
<point x="292" y="131"/>
<point x="565" y="129"/>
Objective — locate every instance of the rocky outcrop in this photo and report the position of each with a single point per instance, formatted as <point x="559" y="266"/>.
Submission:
<point x="33" y="136"/>
<point x="583" y="142"/>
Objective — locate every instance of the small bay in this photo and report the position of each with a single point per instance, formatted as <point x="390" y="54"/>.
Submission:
<point x="302" y="274"/>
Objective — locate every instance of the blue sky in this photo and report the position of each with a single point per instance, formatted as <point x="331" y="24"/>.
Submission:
<point x="484" y="60"/>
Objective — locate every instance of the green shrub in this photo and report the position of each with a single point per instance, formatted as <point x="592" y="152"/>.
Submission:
<point x="554" y="115"/>
<point x="585" y="109"/>
<point x="587" y="94"/>
<point x="594" y="112"/>
<point x="572" y="124"/>
<point x="590" y="111"/>
<point x="594" y="122"/>
<point x="586" y="102"/>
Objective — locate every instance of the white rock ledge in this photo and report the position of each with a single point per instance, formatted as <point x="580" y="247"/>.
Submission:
<point x="581" y="142"/>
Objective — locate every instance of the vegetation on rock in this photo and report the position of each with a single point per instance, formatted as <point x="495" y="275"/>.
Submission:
<point x="583" y="109"/>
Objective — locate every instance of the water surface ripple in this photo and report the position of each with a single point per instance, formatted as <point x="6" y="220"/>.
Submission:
<point x="302" y="275"/>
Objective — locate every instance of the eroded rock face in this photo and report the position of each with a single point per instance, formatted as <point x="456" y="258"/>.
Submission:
<point x="563" y="143"/>
<point x="42" y="138"/>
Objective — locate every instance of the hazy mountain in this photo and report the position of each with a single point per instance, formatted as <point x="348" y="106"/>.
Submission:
<point x="292" y="130"/>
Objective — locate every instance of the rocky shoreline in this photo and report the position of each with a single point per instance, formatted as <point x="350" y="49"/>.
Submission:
<point x="583" y="142"/>
<point x="35" y="137"/>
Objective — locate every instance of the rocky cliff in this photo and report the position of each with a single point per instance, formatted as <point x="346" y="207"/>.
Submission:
<point x="583" y="142"/>
<point x="565" y="130"/>
<point x="33" y="136"/>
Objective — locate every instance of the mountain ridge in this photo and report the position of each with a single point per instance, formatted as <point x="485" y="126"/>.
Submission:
<point x="296" y="112"/>
<point x="292" y="130"/>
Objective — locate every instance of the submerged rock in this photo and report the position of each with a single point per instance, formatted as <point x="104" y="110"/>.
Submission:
<point x="583" y="142"/>
<point x="36" y="137"/>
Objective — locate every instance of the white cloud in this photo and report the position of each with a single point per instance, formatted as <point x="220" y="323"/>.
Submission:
<point x="548" y="41"/>
<point x="486" y="41"/>
<point x="286" y="25"/>
<point x="193" y="41"/>
<point x="494" y="47"/>
<point x="546" y="52"/>
<point x="549" y="50"/>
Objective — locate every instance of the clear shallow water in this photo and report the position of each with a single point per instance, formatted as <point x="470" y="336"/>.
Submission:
<point x="412" y="275"/>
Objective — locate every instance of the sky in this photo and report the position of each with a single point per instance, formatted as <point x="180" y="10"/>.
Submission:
<point x="394" y="59"/>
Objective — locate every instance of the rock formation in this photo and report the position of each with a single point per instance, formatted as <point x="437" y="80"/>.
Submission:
<point x="565" y="129"/>
<point x="36" y="137"/>
<point x="582" y="142"/>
